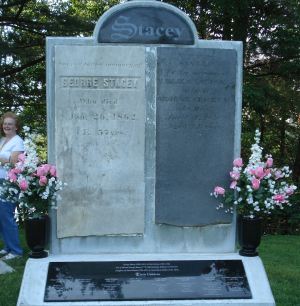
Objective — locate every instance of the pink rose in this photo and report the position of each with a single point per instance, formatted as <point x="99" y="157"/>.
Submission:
<point x="233" y="184"/>
<point x="269" y="162"/>
<point x="259" y="172"/>
<point x="279" y="197"/>
<point x="40" y="171"/>
<point x="238" y="162"/>
<point x="219" y="190"/>
<point x="53" y="171"/>
<point x="251" y="171"/>
<point x="47" y="167"/>
<point x="267" y="172"/>
<point x="43" y="180"/>
<point x="255" y="183"/>
<point x="12" y="175"/>
<point x="278" y="174"/>
<point x="235" y="175"/>
<point x="23" y="184"/>
<point x="21" y="157"/>
<point x="289" y="191"/>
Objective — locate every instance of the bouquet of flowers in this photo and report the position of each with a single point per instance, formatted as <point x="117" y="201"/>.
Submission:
<point x="29" y="183"/>
<point x="258" y="188"/>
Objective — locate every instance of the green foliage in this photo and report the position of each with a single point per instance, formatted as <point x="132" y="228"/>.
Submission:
<point x="10" y="282"/>
<point x="24" y="26"/>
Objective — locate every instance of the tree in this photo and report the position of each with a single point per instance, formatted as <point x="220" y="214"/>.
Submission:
<point x="24" y="26"/>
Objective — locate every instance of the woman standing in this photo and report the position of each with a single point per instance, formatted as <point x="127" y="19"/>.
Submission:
<point x="11" y="145"/>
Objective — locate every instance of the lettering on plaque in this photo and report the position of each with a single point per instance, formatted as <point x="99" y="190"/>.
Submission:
<point x="195" y="121"/>
<point x="101" y="115"/>
<point x="146" y="280"/>
<point x="125" y="28"/>
<point x="99" y="82"/>
<point x="147" y="25"/>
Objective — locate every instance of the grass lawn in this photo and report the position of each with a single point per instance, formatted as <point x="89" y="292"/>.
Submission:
<point x="281" y="258"/>
<point x="280" y="254"/>
<point x="10" y="282"/>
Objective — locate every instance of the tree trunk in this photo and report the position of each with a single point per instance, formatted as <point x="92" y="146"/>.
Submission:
<point x="296" y="167"/>
<point x="262" y="127"/>
<point x="202" y="23"/>
<point x="282" y="139"/>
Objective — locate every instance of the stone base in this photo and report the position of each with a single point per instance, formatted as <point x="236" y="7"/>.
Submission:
<point x="5" y="268"/>
<point x="35" y="275"/>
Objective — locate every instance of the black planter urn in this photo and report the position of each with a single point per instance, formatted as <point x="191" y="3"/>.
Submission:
<point x="36" y="233"/>
<point x="249" y="231"/>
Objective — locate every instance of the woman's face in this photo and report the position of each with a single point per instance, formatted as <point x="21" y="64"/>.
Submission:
<point x="9" y="127"/>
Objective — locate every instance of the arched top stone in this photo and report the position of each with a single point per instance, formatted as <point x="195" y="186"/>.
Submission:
<point x="145" y="22"/>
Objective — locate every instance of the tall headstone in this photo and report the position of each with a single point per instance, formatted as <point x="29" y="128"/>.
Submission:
<point x="144" y="120"/>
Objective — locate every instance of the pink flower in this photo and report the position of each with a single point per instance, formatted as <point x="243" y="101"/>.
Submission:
<point x="40" y="171"/>
<point x="233" y="184"/>
<point x="219" y="190"/>
<point x="279" y="197"/>
<point x="252" y="171"/>
<point x="21" y="157"/>
<point x="267" y="172"/>
<point x="269" y="162"/>
<point x="259" y="172"/>
<point x="238" y="162"/>
<point x="23" y="184"/>
<point x="278" y="174"/>
<point x="46" y="167"/>
<point x="289" y="191"/>
<point x="235" y="175"/>
<point x="255" y="183"/>
<point x="43" y="181"/>
<point x="53" y="171"/>
<point x="12" y="175"/>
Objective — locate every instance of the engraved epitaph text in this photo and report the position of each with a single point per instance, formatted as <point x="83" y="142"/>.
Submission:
<point x="195" y="133"/>
<point x="146" y="280"/>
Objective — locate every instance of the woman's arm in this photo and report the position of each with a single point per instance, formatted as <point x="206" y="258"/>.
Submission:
<point x="14" y="156"/>
<point x="12" y="159"/>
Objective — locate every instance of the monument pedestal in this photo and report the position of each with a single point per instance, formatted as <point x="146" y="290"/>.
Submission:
<point x="33" y="287"/>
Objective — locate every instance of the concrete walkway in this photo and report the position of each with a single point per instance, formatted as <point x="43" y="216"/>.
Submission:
<point x="5" y="268"/>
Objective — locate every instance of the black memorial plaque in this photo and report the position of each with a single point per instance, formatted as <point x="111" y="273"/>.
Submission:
<point x="146" y="25"/>
<point x="195" y="133"/>
<point x="146" y="280"/>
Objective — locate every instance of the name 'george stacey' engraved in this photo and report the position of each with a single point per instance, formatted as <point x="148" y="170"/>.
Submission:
<point x="99" y="82"/>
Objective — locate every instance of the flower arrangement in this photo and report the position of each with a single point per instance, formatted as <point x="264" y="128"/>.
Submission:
<point x="29" y="183"/>
<point x="258" y="188"/>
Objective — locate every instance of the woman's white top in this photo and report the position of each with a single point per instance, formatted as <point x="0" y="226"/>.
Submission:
<point x="15" y="144"/>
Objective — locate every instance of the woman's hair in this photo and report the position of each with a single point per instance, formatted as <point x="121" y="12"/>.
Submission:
<point x="9" y="115"/>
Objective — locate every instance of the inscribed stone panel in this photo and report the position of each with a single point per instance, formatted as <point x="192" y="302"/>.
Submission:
<point x="195" y="133"/>
<point x="99" y="139"/>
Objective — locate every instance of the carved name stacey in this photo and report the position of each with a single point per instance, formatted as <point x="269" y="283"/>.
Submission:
<point x="103" y="82"/>
<point x="123" y="28"/>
